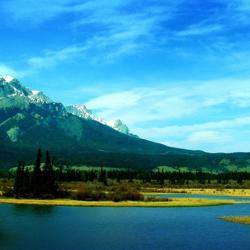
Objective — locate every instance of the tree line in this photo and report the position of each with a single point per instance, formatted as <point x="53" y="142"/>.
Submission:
<point x="146" y="176"/>
<point x="41" y="181"/>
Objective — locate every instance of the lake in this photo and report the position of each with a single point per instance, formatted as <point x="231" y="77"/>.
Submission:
<point x="44" y="227"/>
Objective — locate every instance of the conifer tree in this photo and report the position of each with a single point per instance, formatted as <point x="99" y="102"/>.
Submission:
<point x="37" y="175"/>
<point x="49" y="186"/>
<point x="26" y="182"/>
<point x="18" y="180"/>
<point x="19" y="185"/>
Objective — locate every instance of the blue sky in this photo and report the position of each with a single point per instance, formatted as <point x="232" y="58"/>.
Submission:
<point x="175" y="71"/>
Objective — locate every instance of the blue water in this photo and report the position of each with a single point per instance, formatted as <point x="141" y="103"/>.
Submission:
<point x="25" y="227"/>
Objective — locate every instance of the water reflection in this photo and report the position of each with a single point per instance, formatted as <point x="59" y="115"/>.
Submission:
<point x="38" y="211"/>
<point x="5" y="238"/>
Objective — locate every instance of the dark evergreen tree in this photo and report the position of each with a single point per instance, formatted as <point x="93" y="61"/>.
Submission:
<point x="27" y="182"/>
<point x="18" y="180"/>
<point x="19" y="185"/>
<point x="36" y="187"/>
<point x="49" y="186"/>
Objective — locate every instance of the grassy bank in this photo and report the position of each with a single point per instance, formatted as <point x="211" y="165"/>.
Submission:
<point x="202" y="191"/>
<point x="183" y="202"/>
<point x="238" y="219"/>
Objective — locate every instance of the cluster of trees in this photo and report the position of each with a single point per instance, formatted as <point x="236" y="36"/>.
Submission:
<point x="37" y="183"/>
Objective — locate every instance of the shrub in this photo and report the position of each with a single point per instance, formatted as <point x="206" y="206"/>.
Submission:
<point x="8" y="193"/>
<point x="124" y="193"/>
<point x="87" y="194"/>
<point x="155" y="198"/>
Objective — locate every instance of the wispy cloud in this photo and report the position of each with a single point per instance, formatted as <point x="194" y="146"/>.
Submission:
<point x="51" y="58"/>
<point x="120" y="28"/>
<point x="237" y="11"/>
<point x="173" y="101"/>
<point x="116" y="28"/>
<point x="214" y="136"/>
<point x="119" y="100"/>
<point x="6" y="70"/>
<point x="40" y="11"/>
<point x="200" y="29"/>
<point x="142" y="105"/>
<point x="201" y="130"/>
<point x="143" y="108"/>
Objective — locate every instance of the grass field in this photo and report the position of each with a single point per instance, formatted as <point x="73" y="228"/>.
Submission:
<point x="183" y="202"/>
<point x="238" y="219"/>
<point x="203" y="191"/>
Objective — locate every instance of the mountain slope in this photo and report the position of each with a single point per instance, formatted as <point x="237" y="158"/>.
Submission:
<point x="29" y="120"/>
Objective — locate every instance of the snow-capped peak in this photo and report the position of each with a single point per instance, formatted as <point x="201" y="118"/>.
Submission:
<point x="39" y="97"/>
<point x="12" y="88"/>
<point x="8" y="78"/>
<point x="35" y="92"/>
<point x="119" y="126"/>
<point x="83" y="112"/>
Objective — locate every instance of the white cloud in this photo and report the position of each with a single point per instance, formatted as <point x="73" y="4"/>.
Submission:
<point x="200" y="29"/>
<point x="207" y="136"/>
<point x="143" y="104"/>
<point x="119" y="100"/>
<point x="126" y="26"/>
<point x="6" y="70"/>
<point x="176" y="101"/>
<point x="192" y="129"/>
<point x="180" y="105"/>
<point x="39" y="11"/>
<point x="51" y="58"/>
<point x="222" y="135"/>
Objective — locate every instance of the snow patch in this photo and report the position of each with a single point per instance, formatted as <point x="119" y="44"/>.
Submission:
<point x="8" y="78"/>
<point x="35" y="92"/>
<point x="83" y="112"/>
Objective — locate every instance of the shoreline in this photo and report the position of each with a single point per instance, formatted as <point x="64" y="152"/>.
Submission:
<point x="182" y="202"/>
<point x="244" y="193"/>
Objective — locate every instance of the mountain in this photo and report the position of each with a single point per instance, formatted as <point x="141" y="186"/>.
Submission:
<point x="83" y="112"/>
<point x="29" y="119"/>
<point x="14" y="91"/>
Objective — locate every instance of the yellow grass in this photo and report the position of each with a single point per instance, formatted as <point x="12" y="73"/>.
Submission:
<point x="182" y="202"/>
<point x="237" y="219"/>
<point x="203" y="191"/>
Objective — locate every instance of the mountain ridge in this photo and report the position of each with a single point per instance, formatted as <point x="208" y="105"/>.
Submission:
<point x="14" y="88"/>
<point x="83" y="112"/>
<point x="29" y="120"/>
